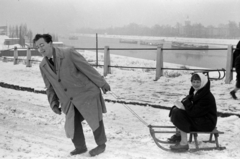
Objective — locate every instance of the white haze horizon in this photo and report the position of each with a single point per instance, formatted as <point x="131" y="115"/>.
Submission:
<point x="62" y="17"/>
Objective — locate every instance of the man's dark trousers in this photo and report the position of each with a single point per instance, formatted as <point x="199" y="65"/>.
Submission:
<point x="79" y="139"/>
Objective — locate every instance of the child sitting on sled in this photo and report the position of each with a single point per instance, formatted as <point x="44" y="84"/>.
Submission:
<point x="196" y="112"/>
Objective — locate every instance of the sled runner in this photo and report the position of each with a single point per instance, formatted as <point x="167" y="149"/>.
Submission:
<point x="220" y="76"/>
<point x="157" y="130"/>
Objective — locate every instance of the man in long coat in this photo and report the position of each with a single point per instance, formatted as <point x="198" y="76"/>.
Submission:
<point x="73" y="87"/>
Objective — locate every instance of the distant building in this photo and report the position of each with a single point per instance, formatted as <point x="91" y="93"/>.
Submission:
<point x="54" y="43"/>
<point x="187" y="22"/>
<point x="58" y="44"/>
<point x="3" y="30"/>
<point x="11" y="41"/>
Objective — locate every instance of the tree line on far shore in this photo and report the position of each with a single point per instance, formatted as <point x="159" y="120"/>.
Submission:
<point x="197" y="30"/>
<point x="24" y="34"/>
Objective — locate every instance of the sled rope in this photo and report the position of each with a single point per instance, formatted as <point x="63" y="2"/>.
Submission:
<point x="128" y="108"/>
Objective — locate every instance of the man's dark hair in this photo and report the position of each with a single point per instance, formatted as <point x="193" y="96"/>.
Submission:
<point x="46" y="37"/>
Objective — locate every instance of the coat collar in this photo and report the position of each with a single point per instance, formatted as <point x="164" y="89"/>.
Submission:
<point x="59" y="55"/>
<point x="58" y="61"/>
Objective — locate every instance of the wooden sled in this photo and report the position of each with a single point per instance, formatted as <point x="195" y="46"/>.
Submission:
<point x="157" y="129"/>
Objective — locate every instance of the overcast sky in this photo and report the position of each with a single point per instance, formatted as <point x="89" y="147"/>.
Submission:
<point x="58" y="16"/>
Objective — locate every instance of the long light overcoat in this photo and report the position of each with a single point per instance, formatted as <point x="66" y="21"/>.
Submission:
<point x="75" y="83"/>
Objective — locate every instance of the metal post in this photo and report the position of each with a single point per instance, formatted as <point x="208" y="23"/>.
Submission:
<point x="106" y="69"/>
<point x="229" y="74"/>
<point x="96" y="50"/>
<point x="159" y="63"/>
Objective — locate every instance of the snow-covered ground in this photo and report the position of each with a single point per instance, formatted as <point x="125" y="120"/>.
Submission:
<point x="29" y="129"/>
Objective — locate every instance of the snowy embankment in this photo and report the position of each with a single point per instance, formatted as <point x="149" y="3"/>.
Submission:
<point x="29" y="129"/>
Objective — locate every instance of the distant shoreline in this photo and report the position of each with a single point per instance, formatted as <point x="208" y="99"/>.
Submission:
<point x="169" y="39"/>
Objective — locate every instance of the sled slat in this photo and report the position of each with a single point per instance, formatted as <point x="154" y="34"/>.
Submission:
<point x="214" y="133"/>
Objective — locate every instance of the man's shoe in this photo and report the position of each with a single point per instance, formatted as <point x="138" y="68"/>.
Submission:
<point x="78" y="151"/>
<point x="233" y="94"/>
<point x="97" y="150"/>
<point x="174" y="139"/>
<point x="179" y="147"/>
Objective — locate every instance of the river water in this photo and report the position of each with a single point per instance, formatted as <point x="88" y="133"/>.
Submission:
<point x="214" y="59"/>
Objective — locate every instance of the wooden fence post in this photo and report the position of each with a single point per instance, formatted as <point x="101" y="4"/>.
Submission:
<point x="229" y="73"/>
<point x="28" y="61"/>
<point x="15" y="54"/>
<point x="159" y="63"/>
<point x="106" y="69"/>
<point x="4" y="59"/>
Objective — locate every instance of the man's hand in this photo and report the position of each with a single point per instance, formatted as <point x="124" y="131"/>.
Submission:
<point x="57" y="110"/>
<point x="105" y="88"/>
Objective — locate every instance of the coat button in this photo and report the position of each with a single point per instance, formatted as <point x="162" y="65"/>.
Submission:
<point x="71" y="98"/>
<point x="65" y="89"/>
<point x="59" y="80"/>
